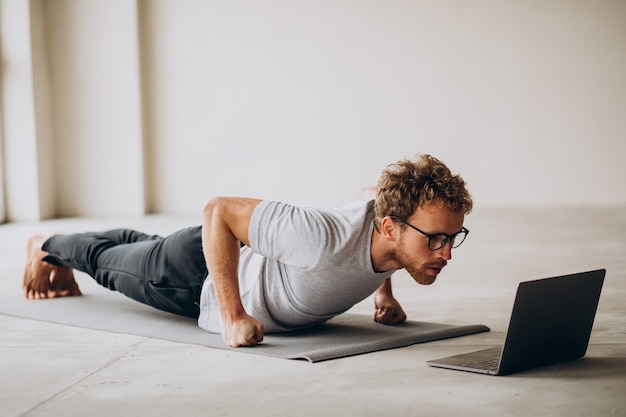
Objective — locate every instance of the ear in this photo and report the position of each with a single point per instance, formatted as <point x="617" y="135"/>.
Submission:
<point x="388" y="228"/>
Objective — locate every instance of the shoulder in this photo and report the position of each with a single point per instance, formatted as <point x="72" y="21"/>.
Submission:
<point x="279" y="212"/>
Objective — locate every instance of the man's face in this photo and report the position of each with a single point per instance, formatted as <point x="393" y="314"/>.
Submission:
<point x="412" y="251"/>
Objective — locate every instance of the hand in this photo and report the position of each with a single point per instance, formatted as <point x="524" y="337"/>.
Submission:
<point x="245" y="331"/>
<point x="388" y="310"/>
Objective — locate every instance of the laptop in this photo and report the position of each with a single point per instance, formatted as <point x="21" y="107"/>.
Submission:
<point x="551" y="322"/>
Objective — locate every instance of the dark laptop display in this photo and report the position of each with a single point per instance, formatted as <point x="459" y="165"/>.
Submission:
<point x="551" y="322"/>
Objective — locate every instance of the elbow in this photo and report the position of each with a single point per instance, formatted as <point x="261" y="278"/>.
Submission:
<point x="211" y="208"/>
<point x="210" y="205"/>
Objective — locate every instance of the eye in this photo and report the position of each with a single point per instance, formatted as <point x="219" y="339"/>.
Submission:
<point x="459" y="238"/>
<point x="437" y="241"/>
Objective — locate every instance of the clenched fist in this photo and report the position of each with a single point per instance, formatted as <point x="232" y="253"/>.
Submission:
<point x="387" y="310"/>
<point x="244" y="331"/>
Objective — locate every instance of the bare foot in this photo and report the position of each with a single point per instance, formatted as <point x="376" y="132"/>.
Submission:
<point x="44" y="280"/>
<point x="62" y="282"/>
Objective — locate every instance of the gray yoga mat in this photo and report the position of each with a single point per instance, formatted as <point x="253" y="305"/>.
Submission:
<point x="345" y="335"/>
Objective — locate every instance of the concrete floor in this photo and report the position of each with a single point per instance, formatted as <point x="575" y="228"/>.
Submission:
<point x="55" y="370"/>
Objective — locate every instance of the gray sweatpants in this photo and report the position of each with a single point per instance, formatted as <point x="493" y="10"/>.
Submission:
<point x="166" y="273"/>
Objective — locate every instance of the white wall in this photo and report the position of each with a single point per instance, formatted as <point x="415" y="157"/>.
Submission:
<point x="308" y="101"/>
<point x="25" y="123"/>
<point x="96" y="97"/>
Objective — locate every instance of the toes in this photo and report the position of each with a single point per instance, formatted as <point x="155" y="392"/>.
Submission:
<point x="63" y="292"/>
<point x="59" y="293"/>
<point x="35" y="292"/>
<point x="36" y="295"/>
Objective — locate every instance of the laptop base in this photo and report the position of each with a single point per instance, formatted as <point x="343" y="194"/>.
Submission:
<point x="484" y="361"/>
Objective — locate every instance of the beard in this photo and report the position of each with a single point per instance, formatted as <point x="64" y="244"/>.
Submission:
<point x="422" y="273"/>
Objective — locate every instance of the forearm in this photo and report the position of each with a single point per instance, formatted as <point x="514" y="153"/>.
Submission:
<point x="225" y="223"/>
<point x="385" y="288"/>
<point x="387" y="310"/>
<point x="221" y="251"/>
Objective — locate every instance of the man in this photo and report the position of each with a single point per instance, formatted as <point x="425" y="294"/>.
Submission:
<point x="257" y="266"/>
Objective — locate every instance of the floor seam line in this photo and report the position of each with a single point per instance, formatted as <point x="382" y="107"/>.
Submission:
<point x="114" y="360"/>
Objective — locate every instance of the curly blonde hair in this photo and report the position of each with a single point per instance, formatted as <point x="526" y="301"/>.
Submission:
<point x="407" y="185"/>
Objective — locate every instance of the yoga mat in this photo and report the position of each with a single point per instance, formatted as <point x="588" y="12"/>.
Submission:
<point x="344" y="335"/>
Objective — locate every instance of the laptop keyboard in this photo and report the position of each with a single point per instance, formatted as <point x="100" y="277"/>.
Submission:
<point x="486" y="364"/>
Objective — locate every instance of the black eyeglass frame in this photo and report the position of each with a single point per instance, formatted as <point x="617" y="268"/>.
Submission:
<point x="431" y="236"/>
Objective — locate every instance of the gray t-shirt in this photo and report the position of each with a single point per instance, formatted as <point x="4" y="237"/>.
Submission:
<point x="303" y="266"/>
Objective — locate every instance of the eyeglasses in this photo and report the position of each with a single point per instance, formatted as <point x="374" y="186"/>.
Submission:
<point x="438" y="240"/>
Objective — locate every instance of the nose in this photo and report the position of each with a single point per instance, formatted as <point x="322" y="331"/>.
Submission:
<point x="445" y="252"/>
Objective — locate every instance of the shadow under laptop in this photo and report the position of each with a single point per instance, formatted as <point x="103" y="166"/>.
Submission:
<point x="586" y="368"/>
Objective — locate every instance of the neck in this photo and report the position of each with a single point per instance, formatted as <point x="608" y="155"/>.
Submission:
<point x="381" y="253"/>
